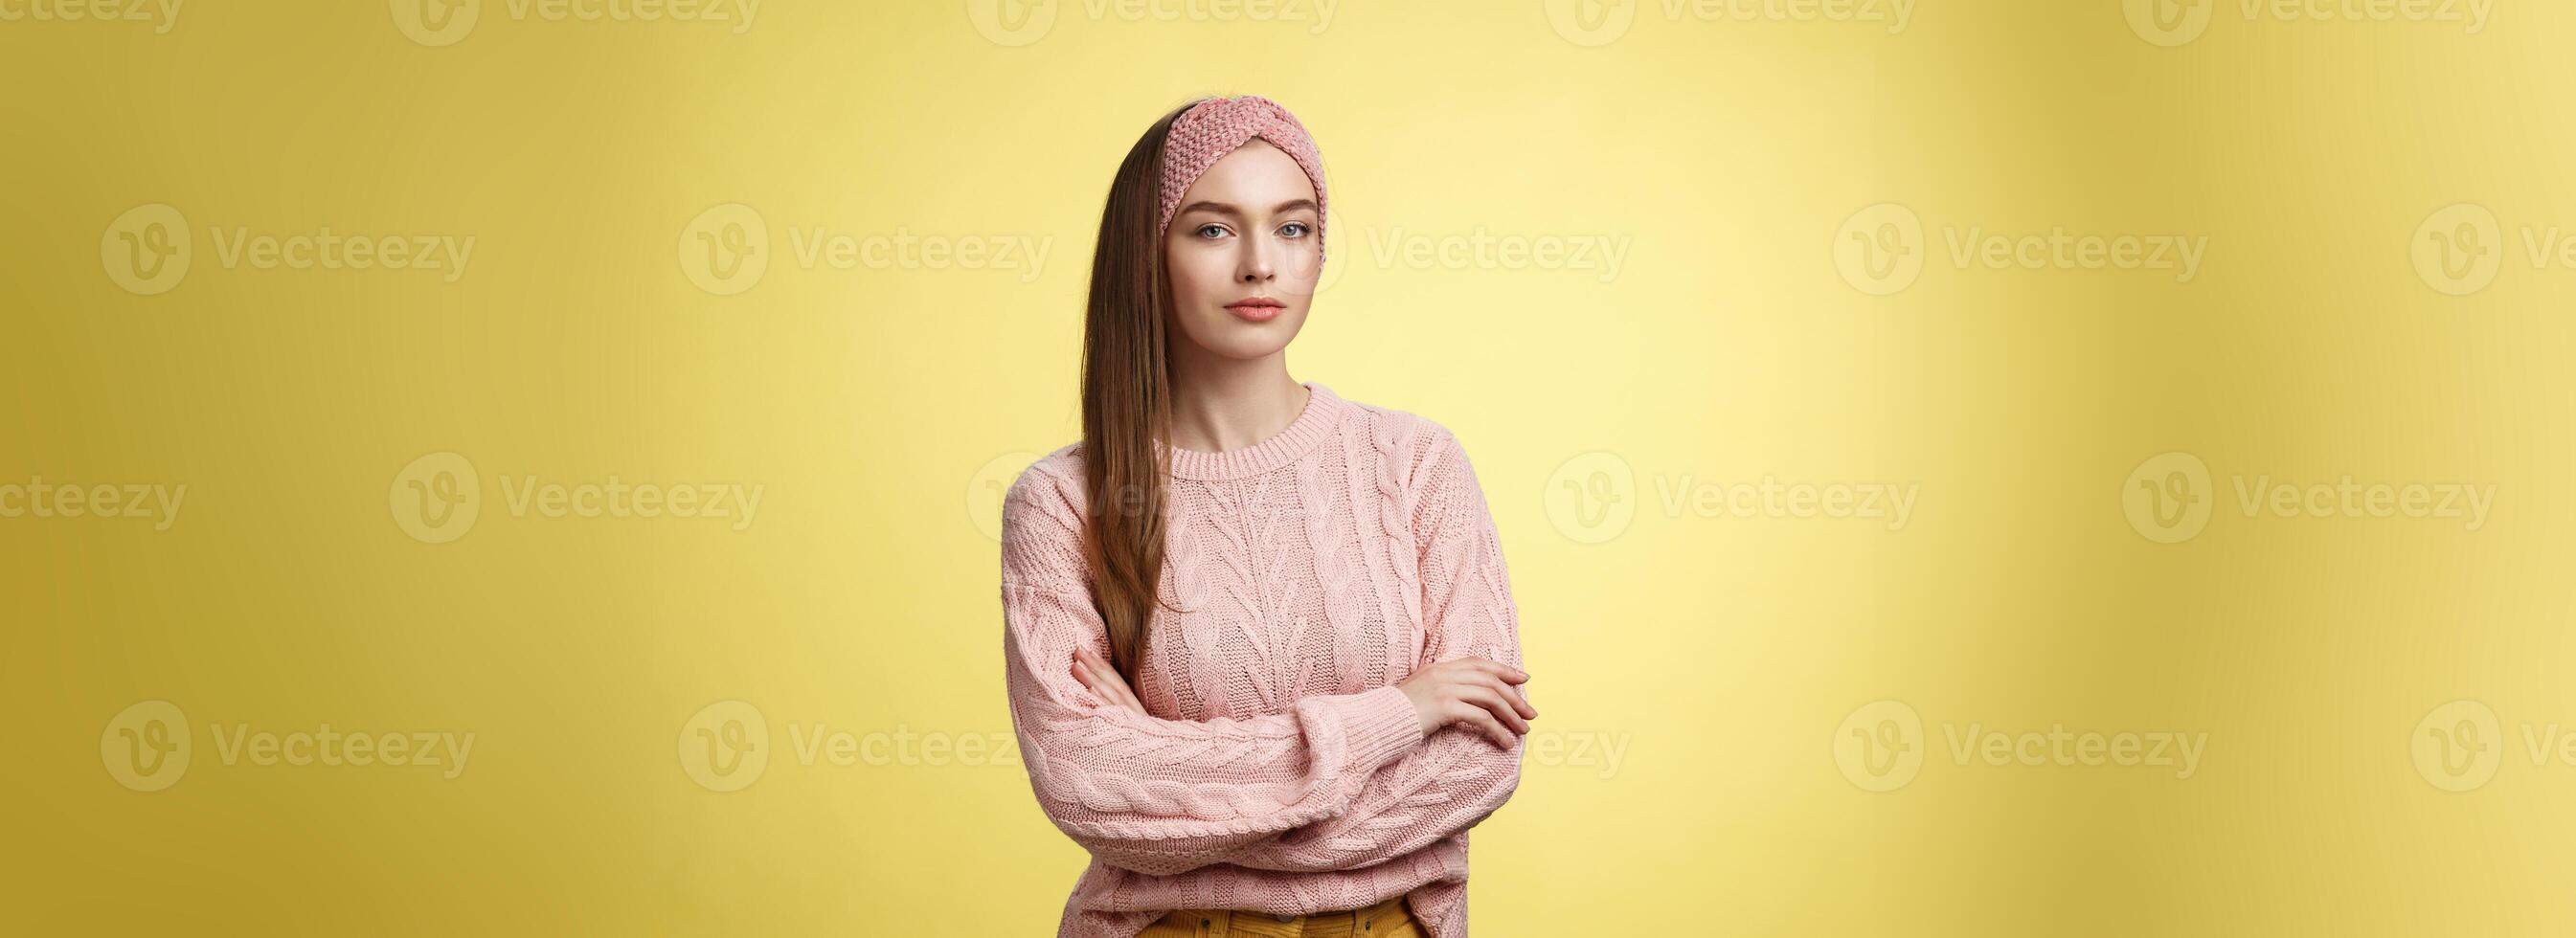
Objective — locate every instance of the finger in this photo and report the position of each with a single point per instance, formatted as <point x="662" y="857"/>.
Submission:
<point x="1492" y="700"/>
<point x="1102" y="675"/>
<point x="1505" y="696"/>
<point x="1484" y="722"/>
<point x="1519" y="699"/>
<point x="1118" y="685"/>
<point x="1102" y="681"/>
<point x="1477" y="719"/>
<point x="1505" y="671"/>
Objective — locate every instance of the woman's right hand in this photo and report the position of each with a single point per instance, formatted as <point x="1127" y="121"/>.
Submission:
<point x="1476" y="691"/>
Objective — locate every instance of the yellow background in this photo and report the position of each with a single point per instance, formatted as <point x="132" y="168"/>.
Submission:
<point x="876" y="407"/>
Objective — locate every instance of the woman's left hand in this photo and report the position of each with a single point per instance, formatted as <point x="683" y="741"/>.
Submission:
<point x="1104" y="680"/>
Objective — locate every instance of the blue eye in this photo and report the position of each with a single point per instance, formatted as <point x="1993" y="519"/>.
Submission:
<point x="1299" y="225"/>
<point x="1211" y="226"/>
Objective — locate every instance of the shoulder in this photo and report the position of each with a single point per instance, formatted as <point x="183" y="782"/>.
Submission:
<point x="1049" y="493"/>
<point x="1418" y="449"/>
<point x="1042" y="525"/>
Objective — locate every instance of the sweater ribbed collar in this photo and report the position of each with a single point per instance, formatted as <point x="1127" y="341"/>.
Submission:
<point x="1323" y="412"/>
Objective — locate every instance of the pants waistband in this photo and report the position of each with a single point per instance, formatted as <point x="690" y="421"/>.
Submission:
<point x="1360" y="922"/>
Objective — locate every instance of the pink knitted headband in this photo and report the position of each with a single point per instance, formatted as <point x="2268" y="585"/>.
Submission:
<point x="1213" y="128"/>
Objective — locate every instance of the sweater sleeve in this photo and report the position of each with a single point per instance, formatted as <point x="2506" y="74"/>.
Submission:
<point x="1153" y="795"/>
<point x="1458" y="776"/>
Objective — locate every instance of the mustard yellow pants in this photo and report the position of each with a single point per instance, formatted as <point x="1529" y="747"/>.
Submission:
<point x="1392" y="918"/>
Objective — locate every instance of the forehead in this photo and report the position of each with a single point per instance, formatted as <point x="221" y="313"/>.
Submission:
<point x="1255" y="174"/>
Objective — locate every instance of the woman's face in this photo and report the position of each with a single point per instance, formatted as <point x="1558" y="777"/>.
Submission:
<point x="1244" y="250"/>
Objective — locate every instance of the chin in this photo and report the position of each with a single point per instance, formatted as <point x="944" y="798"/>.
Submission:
<point x="1234" y="338"/>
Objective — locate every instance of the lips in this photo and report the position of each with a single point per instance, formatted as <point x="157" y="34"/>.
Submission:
<point x="1256" y="309"/>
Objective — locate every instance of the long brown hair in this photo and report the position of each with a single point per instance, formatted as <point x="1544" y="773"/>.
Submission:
<point x="1127" y="400"/>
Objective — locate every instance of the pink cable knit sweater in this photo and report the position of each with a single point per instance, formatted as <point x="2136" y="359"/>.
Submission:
<point x="1281" y="770"/>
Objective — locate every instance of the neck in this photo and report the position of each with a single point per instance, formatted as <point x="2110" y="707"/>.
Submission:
<point x="1220" y="405"/>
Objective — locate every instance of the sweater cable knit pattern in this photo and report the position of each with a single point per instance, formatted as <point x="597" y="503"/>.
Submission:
<point x="1215" y="127"/>
<point x="1280" y="769"/>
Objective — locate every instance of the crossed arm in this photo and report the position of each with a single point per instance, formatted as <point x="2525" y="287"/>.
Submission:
<point x="1337" y="782"/>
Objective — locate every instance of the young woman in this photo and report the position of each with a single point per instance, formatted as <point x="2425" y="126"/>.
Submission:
<point x="1261" y="649"/>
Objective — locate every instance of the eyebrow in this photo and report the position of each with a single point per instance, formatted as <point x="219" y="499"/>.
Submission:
<point x="1225" y="209"/>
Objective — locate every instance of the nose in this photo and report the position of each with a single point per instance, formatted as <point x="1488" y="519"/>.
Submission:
<point x="1259" y="263"/>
